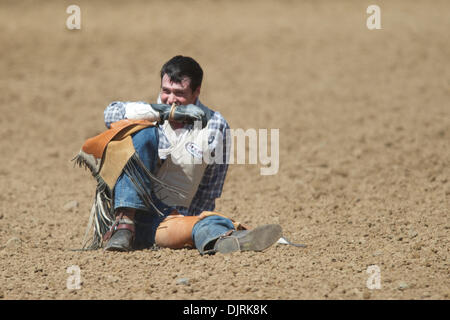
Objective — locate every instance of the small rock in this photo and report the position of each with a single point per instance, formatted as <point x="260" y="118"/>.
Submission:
<point x="14" y="242"/>
<point x="412" y="234"/>
<point x="366" y="295"/>
<point x="1" y="215"/>
<point x="377" y="253"/>
<point x="148" y="291"/>
<point x="183" y="281"/>
<point x="340" y="172"/>
<point x="71" y="205"/>
<point x="246" y="289"/>
<point x="112" y="278"/>
<point x="403" y="285"/>
<point x="356" y="292"/>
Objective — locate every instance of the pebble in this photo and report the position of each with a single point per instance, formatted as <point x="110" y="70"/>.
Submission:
<point x="366" y="295"/>
<point x="412" y="234"/>
<point x="183" y="281"/>
<point x="403" y="285"/>
<point x="246" y="289"/>
<point x="356" y="292"/>
<point x="377" y="253"/>
<point x="71" y="205"/>
<point x="112" y="278"/>
<point x="14" y="242"/>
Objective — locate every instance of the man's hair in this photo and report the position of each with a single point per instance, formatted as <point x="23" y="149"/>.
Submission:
<point x="179" y="67"/>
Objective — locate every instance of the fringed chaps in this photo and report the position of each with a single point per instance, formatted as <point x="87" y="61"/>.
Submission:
<point x="102" y="216"/>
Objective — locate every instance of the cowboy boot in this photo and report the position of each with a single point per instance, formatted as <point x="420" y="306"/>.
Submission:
<point x="121" y="235"/>
<point x="257" y="239"/>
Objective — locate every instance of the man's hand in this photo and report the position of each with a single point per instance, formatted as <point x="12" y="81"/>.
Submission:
<point x="188" y="113"/>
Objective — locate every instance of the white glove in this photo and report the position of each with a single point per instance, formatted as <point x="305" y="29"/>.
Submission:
<point x="140" y="111"/>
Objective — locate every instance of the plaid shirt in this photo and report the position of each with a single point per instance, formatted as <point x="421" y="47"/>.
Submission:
<point x="213" y="179"/>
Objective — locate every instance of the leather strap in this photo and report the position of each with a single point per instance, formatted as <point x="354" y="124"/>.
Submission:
<point x="228" y="233"/>
<point x="126" y="226"/>
<point x="172" y="110"/>
<point x="120" y="223"/>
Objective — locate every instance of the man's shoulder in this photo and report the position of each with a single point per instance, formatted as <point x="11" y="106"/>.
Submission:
<point x="215" y="119"/>
<point x="218" y="119"/>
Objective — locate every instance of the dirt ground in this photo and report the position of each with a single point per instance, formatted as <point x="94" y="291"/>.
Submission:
<point x="364" y="120"/>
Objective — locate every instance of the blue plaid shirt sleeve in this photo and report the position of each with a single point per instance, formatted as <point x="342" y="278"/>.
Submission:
<point x="114" y="112"/>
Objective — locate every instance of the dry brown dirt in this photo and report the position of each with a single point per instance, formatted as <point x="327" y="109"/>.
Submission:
<point x="364" y="120"/>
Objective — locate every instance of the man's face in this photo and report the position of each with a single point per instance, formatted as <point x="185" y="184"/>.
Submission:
<point x="178" y="93"/>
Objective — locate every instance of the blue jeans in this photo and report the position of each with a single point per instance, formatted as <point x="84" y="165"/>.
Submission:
<point x="208" y="230"/>
<point x="204" y="233"/>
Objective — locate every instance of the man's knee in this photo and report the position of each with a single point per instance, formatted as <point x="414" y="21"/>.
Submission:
<point x="146" y="139"/>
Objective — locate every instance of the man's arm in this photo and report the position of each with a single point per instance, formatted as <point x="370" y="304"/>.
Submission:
<point x="114" y="112"/>
<point x="117" y="111"/>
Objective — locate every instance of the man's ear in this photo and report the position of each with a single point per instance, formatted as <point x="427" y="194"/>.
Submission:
<point x="197" y="92"/>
